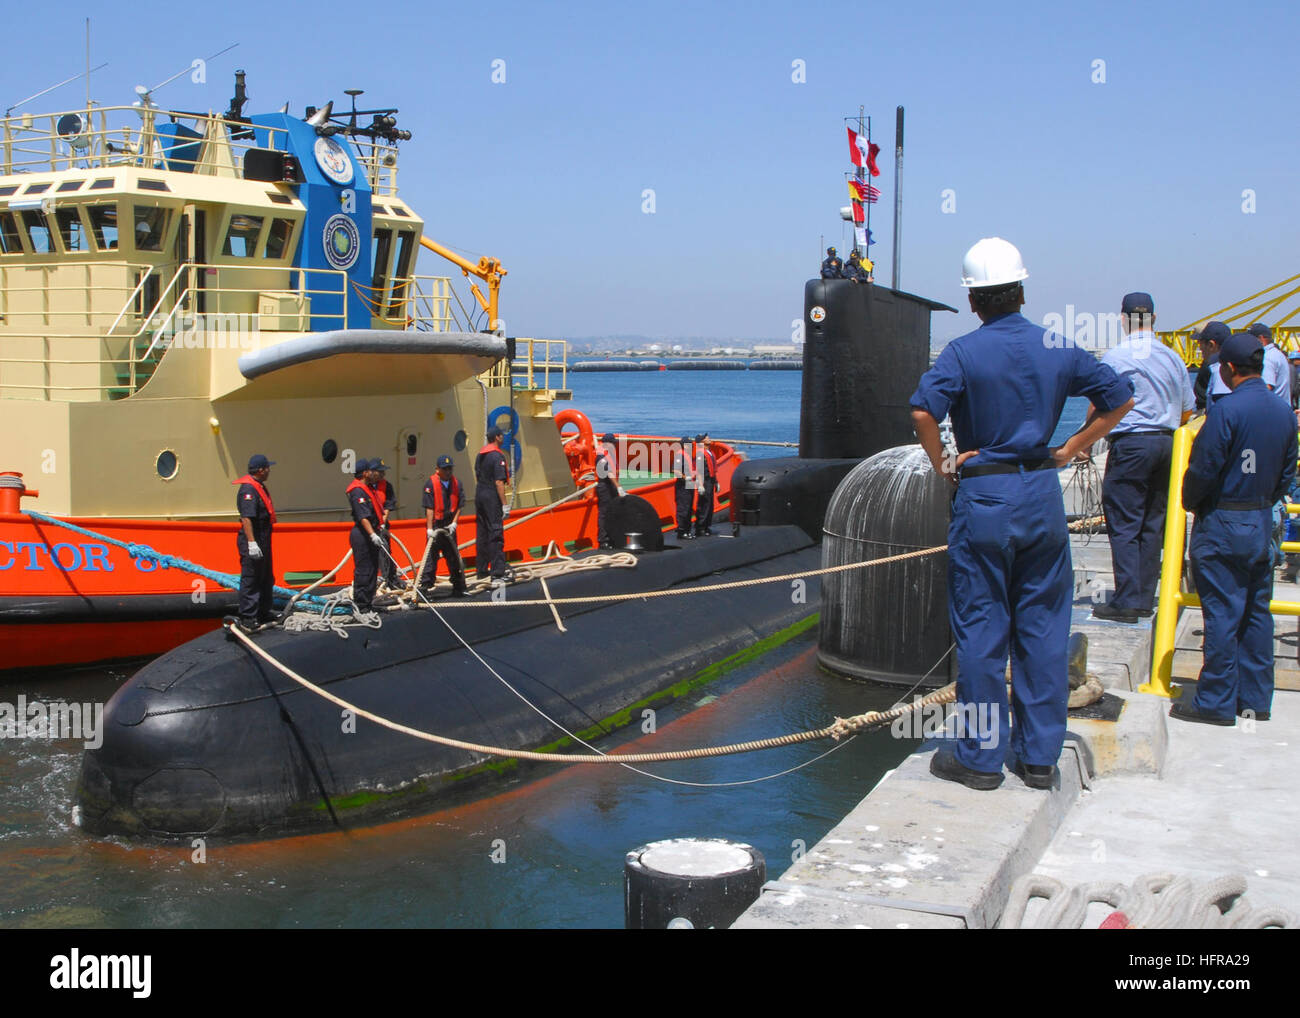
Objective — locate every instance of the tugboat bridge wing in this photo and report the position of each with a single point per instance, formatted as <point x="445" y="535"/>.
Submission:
<point x="367" y="360"/>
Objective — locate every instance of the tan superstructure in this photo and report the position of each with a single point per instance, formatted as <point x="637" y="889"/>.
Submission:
<point x="131" y="290"/>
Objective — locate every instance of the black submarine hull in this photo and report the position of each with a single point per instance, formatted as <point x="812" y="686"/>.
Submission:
<point x="209" y="740"/>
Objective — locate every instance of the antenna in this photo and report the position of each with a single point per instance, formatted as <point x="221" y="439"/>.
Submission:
<point x="65" y="81"/>
<point x="146" y="94"/>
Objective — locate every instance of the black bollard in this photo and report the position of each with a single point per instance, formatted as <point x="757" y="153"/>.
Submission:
<point x="707" y="881"/>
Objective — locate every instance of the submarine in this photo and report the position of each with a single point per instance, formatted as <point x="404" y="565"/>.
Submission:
<point x="212" y="740"/>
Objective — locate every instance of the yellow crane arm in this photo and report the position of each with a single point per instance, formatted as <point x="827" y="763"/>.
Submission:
<point x="487" y="269"/>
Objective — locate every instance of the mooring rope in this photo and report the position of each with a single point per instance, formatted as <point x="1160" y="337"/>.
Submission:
<point x="143" y="551"/>
<point x="839" y="729"/>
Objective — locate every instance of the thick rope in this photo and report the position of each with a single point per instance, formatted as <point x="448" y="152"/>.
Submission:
<point x="707" y="588"/>
<point x="838" y="730"/>
<point x="143" y="551"/>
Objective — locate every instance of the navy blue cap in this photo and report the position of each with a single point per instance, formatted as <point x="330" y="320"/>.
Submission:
<point x="608" y="437"/>
<point x="1216" y="332"/>
<point x="1137" y="303"/>
<point x="1242" y="350"/>
<point x="258" y="461"/>
<point x="362" y="466"/>
<point x="1261" y="330"/>
<point x="686" y="440"/>
<point x="444" y="461"/>
<point x="378" y="463"/>
<point x="493" y="434"/>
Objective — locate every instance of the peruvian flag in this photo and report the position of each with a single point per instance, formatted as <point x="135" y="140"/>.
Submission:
<point x="861" y="150"/>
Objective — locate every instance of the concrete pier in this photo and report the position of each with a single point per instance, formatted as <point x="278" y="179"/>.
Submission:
<point x="1141" y="793"/>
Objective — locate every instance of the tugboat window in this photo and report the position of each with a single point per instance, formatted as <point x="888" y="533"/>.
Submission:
<point x="460" y="440"/>
<point x="411" y="444"/>
<point x="241" y="238"/>
<point x="277" y="241"/>
<point x="38" y="232"/>
<point x="74" y="237"/>
<point x="10" y="242"/>
<point x="150" y="225"/>
<point x="167" y="464"/>
<point x="103" y="221"/>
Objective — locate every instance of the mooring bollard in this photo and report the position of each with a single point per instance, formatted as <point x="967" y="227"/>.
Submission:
<point x="707" y="882"/>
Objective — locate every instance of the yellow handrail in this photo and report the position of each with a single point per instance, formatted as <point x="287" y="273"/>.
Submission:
<point x="1172" y="597"/>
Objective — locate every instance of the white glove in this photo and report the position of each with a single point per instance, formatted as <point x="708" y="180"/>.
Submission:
<point x="621" y="492"/>
<point x="376" y="540"/>
<point x="430" y="531"/>
<point x="505" y="512"/>
<point x="451" y="530"/>
<point x="254" y="552"/>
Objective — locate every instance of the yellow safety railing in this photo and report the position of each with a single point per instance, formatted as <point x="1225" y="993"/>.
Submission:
<point x="1172" y="597"/>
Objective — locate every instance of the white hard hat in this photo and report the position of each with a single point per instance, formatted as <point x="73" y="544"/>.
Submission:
<point x="992" y="262"/>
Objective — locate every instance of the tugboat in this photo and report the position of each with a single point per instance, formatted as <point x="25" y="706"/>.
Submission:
<point x="179" y="290"/>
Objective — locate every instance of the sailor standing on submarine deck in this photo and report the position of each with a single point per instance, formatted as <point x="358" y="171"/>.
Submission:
<point x="1009" y="575"/>
<point x="367" y="545"/>
<point x="256" y="518"/>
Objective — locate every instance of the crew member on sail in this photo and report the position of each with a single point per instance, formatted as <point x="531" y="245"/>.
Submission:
<point x="491" y="472"/>
<point x="367" y="545"/>
<point x="1009" y="574"/>
<point x="443" y="498"/>
<point x="256" y="517"/>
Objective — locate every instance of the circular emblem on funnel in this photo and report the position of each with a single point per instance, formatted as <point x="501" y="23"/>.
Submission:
<point x="817" y="314"/>
<point x="332" y="158"/>
<point x="341" y="241"/>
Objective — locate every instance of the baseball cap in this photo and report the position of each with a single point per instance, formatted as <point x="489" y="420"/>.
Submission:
<point x="378" y="463"/>
<point x="1261" y="330"/>
<point x="258" y="461"/>
<point x="1242" y="350"/>
<point x="444" y="461"/>
<point x="1137" y="303"/>
<point x="493" y="434"/>
<point x="1216" y="332"/>
<point x="608" y="437"/>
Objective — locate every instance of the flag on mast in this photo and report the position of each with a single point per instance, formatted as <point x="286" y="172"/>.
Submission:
<point x="863" y="152"/>
<point x="860" y="190"/>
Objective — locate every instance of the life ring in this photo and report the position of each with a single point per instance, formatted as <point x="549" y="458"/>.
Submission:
<point x="580" y="450"/>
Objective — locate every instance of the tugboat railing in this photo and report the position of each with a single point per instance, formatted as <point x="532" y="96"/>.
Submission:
<point x="174" y="300"/>
<point x="34" y="143"/>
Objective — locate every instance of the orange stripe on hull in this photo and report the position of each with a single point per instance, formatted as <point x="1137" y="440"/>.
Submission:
<point x="34" y="645"/>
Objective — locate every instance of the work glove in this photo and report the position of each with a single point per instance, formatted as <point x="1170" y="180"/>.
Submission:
<point x="621" y="492"/>
<point x="505" y="512"/>
<point x="376" y="540"/>
<point x="431" y="532"/>
<point x="254" y="551"/>
<point x="451" y="530"/>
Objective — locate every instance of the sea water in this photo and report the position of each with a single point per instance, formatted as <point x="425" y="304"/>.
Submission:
<point x="542" y="852"/>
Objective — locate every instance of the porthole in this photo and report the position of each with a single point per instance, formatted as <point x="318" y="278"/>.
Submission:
<point x="411" y="445"/>
<point x="167" y="465"/>
<point x="329" y="451"/>
<point x="459" y="441"/>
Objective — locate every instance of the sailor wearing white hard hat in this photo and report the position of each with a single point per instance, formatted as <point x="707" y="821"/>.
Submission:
<point x="1010" y="582"/>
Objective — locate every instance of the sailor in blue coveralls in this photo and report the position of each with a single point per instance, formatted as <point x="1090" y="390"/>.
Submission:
<point x="1135" y="490"/>
<point x="1242" y="461"/>
<point x="364" y="538"/>
<point x="1009" y="575"/>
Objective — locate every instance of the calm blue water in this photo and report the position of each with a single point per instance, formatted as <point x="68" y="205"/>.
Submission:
<point x="561" y="839"/>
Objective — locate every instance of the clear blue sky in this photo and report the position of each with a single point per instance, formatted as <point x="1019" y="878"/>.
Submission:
<point x="1132" y="184"/>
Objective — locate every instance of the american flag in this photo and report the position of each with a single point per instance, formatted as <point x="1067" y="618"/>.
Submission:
<point x="860" y="190"/>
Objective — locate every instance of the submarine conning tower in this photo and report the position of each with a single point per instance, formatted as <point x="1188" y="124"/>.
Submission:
<point x="865" y="348"/>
